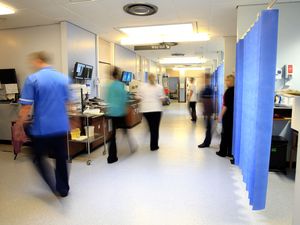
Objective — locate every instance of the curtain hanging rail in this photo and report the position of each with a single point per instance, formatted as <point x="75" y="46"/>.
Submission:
<point x="271" y="4"/>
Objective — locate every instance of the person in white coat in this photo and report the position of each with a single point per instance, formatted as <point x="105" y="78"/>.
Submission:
<point x="151" y="96"/>
<point x="192" y="99"/>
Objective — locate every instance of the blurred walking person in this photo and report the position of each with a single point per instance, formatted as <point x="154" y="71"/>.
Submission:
<point x="117" y="99"/>
<point x="152" y="95"/>
<point x="192" y="99"/>
<point x="207" y="101"/>
<point x="46" y="94"/>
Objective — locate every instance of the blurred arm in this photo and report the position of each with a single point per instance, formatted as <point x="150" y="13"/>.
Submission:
<point x="24" y="114"/>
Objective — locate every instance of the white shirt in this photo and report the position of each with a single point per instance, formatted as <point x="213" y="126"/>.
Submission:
<point x="192" y="87"/>
<point x="151" y="96"/>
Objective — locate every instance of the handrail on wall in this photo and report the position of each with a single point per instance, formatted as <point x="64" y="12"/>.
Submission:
<point x="271" y="4"/>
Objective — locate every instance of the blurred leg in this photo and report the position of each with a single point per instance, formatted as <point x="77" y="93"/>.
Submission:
<point x="150" y="121"/>
<point x="40" y="147"/>
<point x="61" y="173"/>
<point x="207" y="140"/>
<point x="112" y="149"/>
<point x="155" y="136"/>
<point x="193" y="111"/>
<point x="224" y="140"/>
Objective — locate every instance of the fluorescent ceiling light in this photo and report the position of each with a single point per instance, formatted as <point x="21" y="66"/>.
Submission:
<point x="182" y="60"/>
<point x="5" y="10"/>
<point x="188" y="68"/>
<point x="141" y="40"/>
<point x="159" y="30"/>
<point x="162" y="33"/>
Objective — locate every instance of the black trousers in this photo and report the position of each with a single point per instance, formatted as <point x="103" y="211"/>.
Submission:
<point x="117" y="122"/>
<point x="192" y="108"/>
<point x="226" y="137"/>
<point x="153" y="120"/>
<point x="57" y="145"/>
<point x="207" y="139"/>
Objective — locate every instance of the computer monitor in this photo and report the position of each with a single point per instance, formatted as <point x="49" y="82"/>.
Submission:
<point x="88" y="71"/>
<point x="126" y="77"/>
<point x="79" y="69"/>
<point x="8" y="76"/>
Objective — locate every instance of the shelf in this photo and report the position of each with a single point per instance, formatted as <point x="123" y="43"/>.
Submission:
<point x="96" y="137"/>
<point x="289" y="93"/>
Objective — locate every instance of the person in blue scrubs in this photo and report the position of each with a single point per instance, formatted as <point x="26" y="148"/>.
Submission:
<point x="46" y="94"/>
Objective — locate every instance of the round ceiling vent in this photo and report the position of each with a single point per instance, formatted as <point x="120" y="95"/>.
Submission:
<point x="140" y="9"/>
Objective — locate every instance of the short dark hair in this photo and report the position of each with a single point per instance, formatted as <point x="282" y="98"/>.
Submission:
<point x="41" y="55"/>
<point x="116" y="72"/>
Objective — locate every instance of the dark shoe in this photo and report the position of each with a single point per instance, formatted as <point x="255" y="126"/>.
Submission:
<point x="232" y="161"/>
<point x="63" y="194"/>
<point x="230" y="156"/>
<point x="154" y="149"/>
<point x="203" y="146"/>
<point x="109" y="160"/>
<point x="221" y="154"/>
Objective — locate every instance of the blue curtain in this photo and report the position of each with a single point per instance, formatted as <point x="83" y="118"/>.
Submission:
<point x="254" y="102"/>
<point x="217" y="82"/>
<point x="220" y="86"/>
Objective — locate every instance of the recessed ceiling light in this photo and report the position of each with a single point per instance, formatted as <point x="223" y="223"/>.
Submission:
<point x="5" y="10"/>
<point x="182" y="60"/>
<point x="159" y="30"/>
<point x="188" y="68"/>
<point x="140" y="9"/>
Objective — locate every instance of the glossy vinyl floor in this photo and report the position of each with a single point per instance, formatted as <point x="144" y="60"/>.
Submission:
<point x="177" y="185"/>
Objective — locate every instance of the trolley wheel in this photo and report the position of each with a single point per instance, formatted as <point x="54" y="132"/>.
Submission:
<point x="89" y="162"/>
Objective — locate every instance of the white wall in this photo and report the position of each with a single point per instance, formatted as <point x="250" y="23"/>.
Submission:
<point x="229" y="55"/>
<point x="288" y="36"/>
<point x="16" y="44"/>
<point x="296" y="125"/>
<point x="105" y="52"/>
<point x="125" y="59"/>
<point x="80" y="46"/>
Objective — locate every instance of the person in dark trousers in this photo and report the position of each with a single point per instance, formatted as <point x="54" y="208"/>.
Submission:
<point x="117" y="99"/>
<point x="151" y="96"/>
<point x="192" y="99"/>
<point x="226" y="116"/>
<point x="206" y="99"/>
<point x="46" y="93"/>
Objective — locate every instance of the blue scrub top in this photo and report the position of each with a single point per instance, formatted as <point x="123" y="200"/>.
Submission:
<point x="47" y="90"/>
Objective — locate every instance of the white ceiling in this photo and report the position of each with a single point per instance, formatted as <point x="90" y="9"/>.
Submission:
<point x="103" y="17"/>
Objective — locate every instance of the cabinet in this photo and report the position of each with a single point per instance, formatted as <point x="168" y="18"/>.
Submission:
<point x="134" y="116"/>
<point x="102" y="132"/>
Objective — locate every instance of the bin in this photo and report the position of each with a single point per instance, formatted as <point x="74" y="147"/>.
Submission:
<point x="89" y="130"/>
<point x="278" y="154"/>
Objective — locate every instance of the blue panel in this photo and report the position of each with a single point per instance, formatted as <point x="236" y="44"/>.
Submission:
<point x="238" y="101"/>
<point x="253" y="112"/>
<point x="265" y="105"/>
<point x="220" y="77"/>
